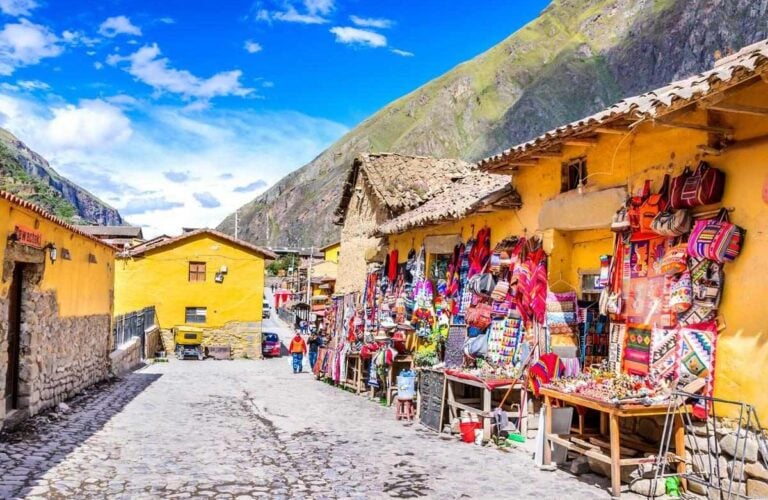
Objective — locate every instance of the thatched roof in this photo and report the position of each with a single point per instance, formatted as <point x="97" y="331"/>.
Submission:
<point x="400" y="182"/>
<point x="464" y="196"/>
<point x="728" y="72"/>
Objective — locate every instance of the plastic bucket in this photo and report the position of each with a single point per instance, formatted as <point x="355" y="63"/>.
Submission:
<point x="468" y="430"/>
<point x="406" y="387"/>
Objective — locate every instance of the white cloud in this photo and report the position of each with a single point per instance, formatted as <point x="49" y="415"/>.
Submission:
<point x="118" y="25"/>
<point x="167" y="20"/>
<point x="222" y="150"/>
<point x="17" y="7"/>
<point x="403" y="53"/>
<point x="356" y="36"/>
<point x="370" y="22"/>
<point x="93" y="124"/>
<point x="291" y="15"/>
<point x="147" y="66"/>
<point x="24" y="44"/>
<point x="323" y="7"/>
<point x="98" y="65"/>
<point x="33" y="85"/>
<point x="252" y="47"/>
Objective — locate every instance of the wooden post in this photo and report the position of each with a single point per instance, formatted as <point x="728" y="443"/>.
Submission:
<point x="547" y="430"/>
<point x="487" y="393"/>
<point x="678" y="430"/>
<point x="615" y="456"/>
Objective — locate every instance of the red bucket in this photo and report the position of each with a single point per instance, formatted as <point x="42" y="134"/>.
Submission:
<point x="468" y="430"/>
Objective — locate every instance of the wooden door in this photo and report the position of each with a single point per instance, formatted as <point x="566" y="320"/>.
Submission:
<point x="14" y="338"/>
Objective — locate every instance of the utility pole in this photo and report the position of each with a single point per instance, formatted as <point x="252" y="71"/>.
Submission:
<point x="309" y="273"/>
<point x="237" y="217"/>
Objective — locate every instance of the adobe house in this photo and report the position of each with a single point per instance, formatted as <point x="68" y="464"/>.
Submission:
<point x="56" y="298"/>
<point x="380" y="187"/>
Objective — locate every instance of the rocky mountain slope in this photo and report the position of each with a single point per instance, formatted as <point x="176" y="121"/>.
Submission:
<point x="576" y="58"/>
<point x="28" y="175"/>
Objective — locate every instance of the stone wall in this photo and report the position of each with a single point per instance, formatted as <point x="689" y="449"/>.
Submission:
<point x="59" y="356"/>
<point x="152" y="342"/>
<point x="243" y="338"/>
<point x="364" y="214"/>
<point x="126" y="358"/>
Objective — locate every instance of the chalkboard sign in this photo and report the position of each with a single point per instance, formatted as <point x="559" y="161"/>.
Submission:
<point x="430" y="398"/>
<point x="454" y="346"/>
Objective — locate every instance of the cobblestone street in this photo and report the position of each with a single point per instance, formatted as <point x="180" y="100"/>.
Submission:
<point x="243" y="429"/>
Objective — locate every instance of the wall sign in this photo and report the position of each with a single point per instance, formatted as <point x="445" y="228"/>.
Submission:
<point x="28" y="237"/>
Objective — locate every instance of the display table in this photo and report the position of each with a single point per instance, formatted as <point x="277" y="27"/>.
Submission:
<point x="354" y="380"/>
<point x="481" y="407"/>
<point x="609" y="422"/>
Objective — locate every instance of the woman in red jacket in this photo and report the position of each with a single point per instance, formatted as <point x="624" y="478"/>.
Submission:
<point x="297" y="348"/>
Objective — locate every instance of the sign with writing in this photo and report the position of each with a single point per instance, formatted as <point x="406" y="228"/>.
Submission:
<point x="29" y="237"/>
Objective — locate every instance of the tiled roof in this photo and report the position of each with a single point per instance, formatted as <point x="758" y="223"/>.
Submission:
<point x="456" y="200"/>
<point x="117" y="231"/>
<point x="729" y="71"/>
<point x="400" y="182"/>
<point x="46" y="215"/>
<point x="144" y="248"/>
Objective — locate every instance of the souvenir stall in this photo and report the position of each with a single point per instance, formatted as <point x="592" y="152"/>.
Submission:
<point x="659" y="309"/>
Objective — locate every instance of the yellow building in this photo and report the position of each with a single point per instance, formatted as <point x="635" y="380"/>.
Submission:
<point x="572" y="180"/>
<point x="202" y="278"/>
<point x="331" y="252"/>
<point x="57" y="282"/>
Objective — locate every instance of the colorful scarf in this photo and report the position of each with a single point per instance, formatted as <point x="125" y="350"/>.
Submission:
<point x="544" y="370"/>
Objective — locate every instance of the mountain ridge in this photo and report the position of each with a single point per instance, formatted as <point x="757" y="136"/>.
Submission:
<point x="577" y="57"/>
<point x="28" y="175"/>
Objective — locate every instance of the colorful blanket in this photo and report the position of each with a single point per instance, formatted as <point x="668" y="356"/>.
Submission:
<point x="697" y="358"/>
<point x="637" y="352"/>
<point x="665" y="354"/>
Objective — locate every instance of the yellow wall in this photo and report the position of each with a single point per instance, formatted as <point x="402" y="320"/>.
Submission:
<point x="627" y="160"/>
<point x="82" y="288"/>
<point x="332" y="252"/>
<point x="160" y="278"/>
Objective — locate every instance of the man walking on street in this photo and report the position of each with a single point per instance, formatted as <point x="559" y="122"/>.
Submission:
<point x="298" y="349"/>
<point x="315" y="343"/>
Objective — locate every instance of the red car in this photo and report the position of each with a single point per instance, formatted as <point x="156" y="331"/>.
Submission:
<point x="270" y="345"/>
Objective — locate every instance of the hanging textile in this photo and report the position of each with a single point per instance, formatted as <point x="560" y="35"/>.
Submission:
<point x="697" y="358"/>
<point x="665" y="354"/>
<point x="637" y="352"/>
<point x="648" y="288"/>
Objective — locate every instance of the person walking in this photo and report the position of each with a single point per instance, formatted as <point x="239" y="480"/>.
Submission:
<point x="298" y="348"/>
<point x="315" y="343"/>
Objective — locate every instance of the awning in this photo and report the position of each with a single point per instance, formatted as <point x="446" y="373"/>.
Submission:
<point x="572" y="211"/>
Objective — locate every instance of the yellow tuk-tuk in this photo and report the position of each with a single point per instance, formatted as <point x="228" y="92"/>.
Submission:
<point x="189" y="342"/>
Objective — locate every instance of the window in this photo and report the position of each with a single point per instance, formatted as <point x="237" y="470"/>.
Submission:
<point x="195" y="314"/>
<point x="573" y="172"/>
<point x="197" y="271"/>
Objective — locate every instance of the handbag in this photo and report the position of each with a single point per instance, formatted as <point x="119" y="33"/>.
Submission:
<point x="500" y="308"/>
<point x="476" y="347"/>
<point x="615" y="303"/>
<point x="672" y="223"/>
<point x="634" y="205"/>
<point x="479" y="315"/>
<point x="675" y="260"/>
<point x="707" y="284"/>
<point x="653" y="205"/>
<point x="620" y="221"/>
<point x="703" y="186"/>
<point x="482" y="284"/>
<point x="681" y="295"/>
<point x="716" y="239"/>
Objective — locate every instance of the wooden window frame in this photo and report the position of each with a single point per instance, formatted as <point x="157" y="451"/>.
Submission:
<point x="192" y="314"/>
<point x="195" y="274"/>
<point x="572" y="173"/>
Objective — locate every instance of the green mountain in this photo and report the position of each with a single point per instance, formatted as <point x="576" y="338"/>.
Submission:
<point x="577" y="57"/>
<point x="29" y="176"/>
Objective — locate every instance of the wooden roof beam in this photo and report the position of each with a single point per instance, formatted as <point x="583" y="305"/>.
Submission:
<point x="547" y="154"/>
<point x="580" y="141"/>
<point x="523" y="163"/>
<point x="736" y="108"/>
<point x="712" y="129"/>
<point x="612" y="130"/>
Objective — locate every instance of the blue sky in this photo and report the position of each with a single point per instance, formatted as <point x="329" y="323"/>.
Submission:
<point x="177" y="112"/>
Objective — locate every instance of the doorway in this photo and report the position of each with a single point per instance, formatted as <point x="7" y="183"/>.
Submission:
<point x="14" y="339"/>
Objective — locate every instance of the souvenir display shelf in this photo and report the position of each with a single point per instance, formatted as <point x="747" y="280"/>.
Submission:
<point x="483" y="406"/>
<point x="609" y="451"/>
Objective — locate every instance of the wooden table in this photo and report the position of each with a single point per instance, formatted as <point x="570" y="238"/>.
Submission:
<point x="609" y="422"/>
<point x="354" y="380"/>
<point x="470" y="405"/>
